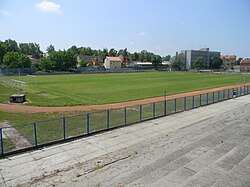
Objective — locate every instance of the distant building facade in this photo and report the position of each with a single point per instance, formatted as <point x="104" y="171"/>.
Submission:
<point x="229" y="61"/>
<point x="112" y="62"/>
<point x="141" y="65"/>
<point x="34" y="61"/>
<point x="245" y="65"/>
<point x="190" y="57"/>
<point x="91" y="60"/>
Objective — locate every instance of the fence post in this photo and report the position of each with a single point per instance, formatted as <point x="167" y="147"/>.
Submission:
<point x="107" y="119"/>
<point x="174" y="105"/>
<point x="125" y="116"/>
<point x="1" y="141"/>
<point x="165" y="107"/>
<point x="207" y="98"/>
<point x="140" y="112"/>
<point x="223" y="94"/>
<point x="87" y="123"/>
<point x="213" y="97"/>
<point x="35" y="137"/>
<point x="247" y="89"/>
<point x="64" y="128"/>
<point x="200" y="100"/>
<point x="185" y="103"/>
<point x="218" y="96"/>
<point x="193" y="102"/>
<point x="237" y="91"/>
<point x="227" y="93"/>
<point x="153" y="110"/>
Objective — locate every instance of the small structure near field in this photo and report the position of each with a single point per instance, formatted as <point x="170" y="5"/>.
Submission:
<point x="245" y="65"/>
<point x="17" y="98"/>
<point x="112" y="62"/>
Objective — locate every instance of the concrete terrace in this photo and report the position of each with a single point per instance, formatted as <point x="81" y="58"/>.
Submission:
<point x="208" y="146"/>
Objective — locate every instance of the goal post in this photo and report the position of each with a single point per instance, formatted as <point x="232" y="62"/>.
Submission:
<point x="34" y="77"/>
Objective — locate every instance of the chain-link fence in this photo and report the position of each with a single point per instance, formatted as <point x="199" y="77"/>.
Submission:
<point x="36" y="134"/>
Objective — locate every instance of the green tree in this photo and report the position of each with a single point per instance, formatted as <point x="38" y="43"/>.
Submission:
<point x="200" y="63"/>
<point x="104" y="53"/>
<point x="11" y="45"/>
<point x="16" y="60"/>
<point x="177" y="62"/>
<point x="83" y="64"/>
<point x="136" y="56"/>
<point x="3" y="51"/>
<point x="156" y="61"/>
<point x="59" y="61"/>
<point x="238" y="61"/>
<point x="35" y="50"/>
<point x="86" y="51"/>
<point x="50" y="49"/>
<point x="46" y="64"/>
<point x="32" y="49"/>
<point x="24" y="48"/>
<point x="166" y="58"/>
<point x="216" y="62"/>
<point x="112" y="52"/>
<point x="74" y="50"/>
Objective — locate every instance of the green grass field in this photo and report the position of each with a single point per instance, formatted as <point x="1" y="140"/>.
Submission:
<point x="92" y="89"/>
<point x="52" y="129"/>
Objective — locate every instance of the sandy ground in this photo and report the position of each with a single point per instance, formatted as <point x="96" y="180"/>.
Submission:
<point x="35" y="109"/>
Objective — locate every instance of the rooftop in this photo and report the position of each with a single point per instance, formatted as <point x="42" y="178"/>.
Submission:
<point x="228" y="57"/>
<point x="244" y="61"/>
<point x="114" y="58"/>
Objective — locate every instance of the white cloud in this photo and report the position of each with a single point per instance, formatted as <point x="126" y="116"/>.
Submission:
<point x="142" y="33"/>
<point x="4" y="12"/>
<point x="48" y="6"/>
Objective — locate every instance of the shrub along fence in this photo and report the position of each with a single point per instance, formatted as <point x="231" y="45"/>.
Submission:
<point x="47" y="132"/>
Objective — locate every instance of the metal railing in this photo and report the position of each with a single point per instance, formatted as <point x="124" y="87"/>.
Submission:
<point x="41" y="133"/>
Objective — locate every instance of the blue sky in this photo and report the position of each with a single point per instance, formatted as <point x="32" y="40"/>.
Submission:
<point x="159" y="26"/>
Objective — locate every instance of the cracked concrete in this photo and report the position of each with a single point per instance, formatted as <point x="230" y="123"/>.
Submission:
<point x="208" y="146"/>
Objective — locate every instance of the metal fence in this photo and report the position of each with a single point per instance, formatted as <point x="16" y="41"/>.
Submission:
<point x="16" y="71"/>
<point x="41" y="133"/>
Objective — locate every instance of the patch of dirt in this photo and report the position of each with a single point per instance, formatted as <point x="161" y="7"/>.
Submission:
<point x="17" y="139"/>
<point x="84" y="108"/>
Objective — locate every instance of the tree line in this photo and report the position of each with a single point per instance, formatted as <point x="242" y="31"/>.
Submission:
<point x="14" y="55"/>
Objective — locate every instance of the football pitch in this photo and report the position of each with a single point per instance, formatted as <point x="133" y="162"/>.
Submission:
<point x="93" y="89"/>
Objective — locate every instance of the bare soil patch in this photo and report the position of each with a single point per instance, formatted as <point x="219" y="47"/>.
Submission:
<point x="17" y="139"/>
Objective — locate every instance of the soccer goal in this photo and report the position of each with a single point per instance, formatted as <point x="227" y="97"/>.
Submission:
<point x="32" y="77"/>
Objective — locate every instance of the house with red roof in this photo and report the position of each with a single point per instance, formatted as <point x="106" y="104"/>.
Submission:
<point x="112" y="62"/>
<point x="245" y="65"/>
<point x="228" y="61"/>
